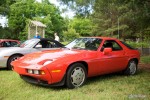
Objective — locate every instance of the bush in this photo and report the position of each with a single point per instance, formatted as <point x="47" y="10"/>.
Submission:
<point x="70" y="35"/>
<point x="138" y="45"/>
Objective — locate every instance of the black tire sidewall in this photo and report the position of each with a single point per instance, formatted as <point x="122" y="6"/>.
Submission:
<point x="10" y="60"/>
<point x="68" y="75"/>
<point x="127" y="71"/>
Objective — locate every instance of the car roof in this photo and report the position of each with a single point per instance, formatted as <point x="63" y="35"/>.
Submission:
<point x="8" y="40"/>
<point x="105" y="38"/>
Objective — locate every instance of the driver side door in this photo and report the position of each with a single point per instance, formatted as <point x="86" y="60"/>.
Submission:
<point x="114" y="61"/>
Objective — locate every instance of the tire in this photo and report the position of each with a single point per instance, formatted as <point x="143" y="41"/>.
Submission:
<point x="131" y="68"/>
<point x="12" y="58"/>
<point x="76" y="76"/>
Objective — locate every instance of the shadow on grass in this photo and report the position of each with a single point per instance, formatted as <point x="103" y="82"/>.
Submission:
<point x="113" y="76"/>
<point x="4" y="69"/>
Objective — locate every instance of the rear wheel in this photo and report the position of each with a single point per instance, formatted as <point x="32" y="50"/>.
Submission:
<point x="131" y="68"/>
<point x="12" y="58"/>
<point x="76" y="75"/>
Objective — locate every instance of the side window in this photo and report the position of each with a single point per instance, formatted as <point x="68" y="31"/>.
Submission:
<point x="50" y="44"/>
<point x="6" y="44"/>
<point x="92" y="44"/>
<point x="111" y="44"/>
<point x="13" y="43"/>
<point x="38" y="45"/>
<point x="46" y="44"/>
<point x="116" y="46"/>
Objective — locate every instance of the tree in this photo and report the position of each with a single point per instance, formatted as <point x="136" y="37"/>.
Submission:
<point x="82" y="8"/>
<point x="5" y="7"/>
<point x="24" y="10"/>
<point x="121" y="17"/>
<point x="70" y="35"/>
<point x="83" y="26"/>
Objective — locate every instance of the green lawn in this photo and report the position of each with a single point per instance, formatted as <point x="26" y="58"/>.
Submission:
<point x="145" y="59"/>
<point x="107" y="87"/>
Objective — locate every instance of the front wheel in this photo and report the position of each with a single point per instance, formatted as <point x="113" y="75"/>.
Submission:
<point x="12" y="58"/>
<point x="131" y="68"/>
<point x="76" y="75"/>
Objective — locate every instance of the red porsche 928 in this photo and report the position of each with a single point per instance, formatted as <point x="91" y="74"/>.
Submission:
<point x="82" y="58"/>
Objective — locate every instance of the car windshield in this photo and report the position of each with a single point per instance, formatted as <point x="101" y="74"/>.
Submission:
<point x="29" y="43"/>
<point x="85" y="44"/>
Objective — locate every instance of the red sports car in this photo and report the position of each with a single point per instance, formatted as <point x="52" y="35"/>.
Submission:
<point x="82" y="58"/>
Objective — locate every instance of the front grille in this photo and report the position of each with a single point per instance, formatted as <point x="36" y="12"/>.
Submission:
<point x="33" y="80"/>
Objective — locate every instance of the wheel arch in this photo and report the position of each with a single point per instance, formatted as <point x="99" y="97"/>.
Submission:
<point x="135" y="59"/>
<point x="14" y="55"/>
<point x="82" y="62"/>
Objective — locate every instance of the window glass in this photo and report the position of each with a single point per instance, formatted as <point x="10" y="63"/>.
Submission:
<point x="6" y="44"/>
<point x="111" y="44"/>
<point x="85" y="43"/>
<point x="29" y="43"/>
<point x="13" y="43"/>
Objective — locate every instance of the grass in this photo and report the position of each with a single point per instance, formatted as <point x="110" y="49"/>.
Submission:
<point x="145" y="59"/>
<point x="107" y="87"/>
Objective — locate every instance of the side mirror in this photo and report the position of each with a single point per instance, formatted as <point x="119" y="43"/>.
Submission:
<point x="107" y="51"/>
<point x="38" y="46"/>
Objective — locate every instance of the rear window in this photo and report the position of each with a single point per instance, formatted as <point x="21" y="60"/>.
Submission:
<point x="127" y="45"/>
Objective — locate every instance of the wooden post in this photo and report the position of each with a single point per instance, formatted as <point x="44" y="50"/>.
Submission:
<point x="36" y="30"/>
<point x="43" y="32"/>
<point x="29" y="31"/>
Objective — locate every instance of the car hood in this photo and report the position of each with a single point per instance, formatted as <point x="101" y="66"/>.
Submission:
<point x="59" y="54"/>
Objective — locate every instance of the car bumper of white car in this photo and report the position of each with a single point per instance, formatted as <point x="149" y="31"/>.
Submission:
<point x="3" y="62"/>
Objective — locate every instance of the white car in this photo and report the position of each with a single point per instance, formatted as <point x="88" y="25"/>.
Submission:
<point x="9" y="54"/>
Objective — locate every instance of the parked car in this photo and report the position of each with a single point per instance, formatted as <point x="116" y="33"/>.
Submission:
<point x="8" y="43"/>
<point x="7" y="55"/>
<point x="82" y="58"/>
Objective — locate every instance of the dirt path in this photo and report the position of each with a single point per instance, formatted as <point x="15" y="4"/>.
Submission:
<point x="144" y="66"/>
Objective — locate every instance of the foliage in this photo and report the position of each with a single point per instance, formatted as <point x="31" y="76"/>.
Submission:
<point x="139" y="44"/>
<point x="115" y="18"/>
<point x="23" y="11"/>
<point x="83" y="26"/>
<point x="5" y="7"/>
<point x="127" y="19"/>
<point x="121" y="17"/>
<point x="6" y="33"/>
<point x="82" y="8"/>
<point x="70" y="35"/>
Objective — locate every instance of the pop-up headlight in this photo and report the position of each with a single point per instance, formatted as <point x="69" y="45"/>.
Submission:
<point x="47" y="62"/>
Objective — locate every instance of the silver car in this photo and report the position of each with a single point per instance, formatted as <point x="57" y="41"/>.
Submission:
<point x="9" y="54"/>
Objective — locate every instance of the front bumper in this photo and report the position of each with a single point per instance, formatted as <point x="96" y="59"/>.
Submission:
<point x="44" y="80"/>
<point x="3" y="62"/>
<point x="22" y="71"/>
<point x="35" y="81"/>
